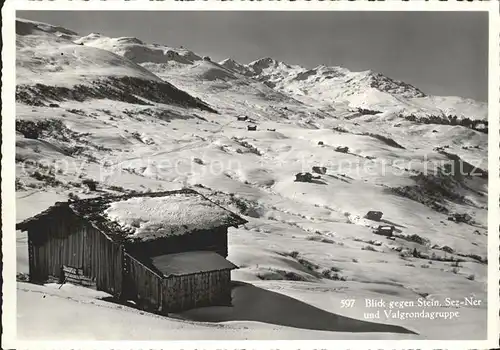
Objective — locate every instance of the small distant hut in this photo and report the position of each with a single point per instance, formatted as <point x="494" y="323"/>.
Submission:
<point x="374" y="215"/>
<point x="385" y="230"/>
<point x="165" y="251"/>
<point x="341" y="149"/>
<point x="319" y="170"/>
<point x="252" y="127"/>
<point x="303" y="177"/>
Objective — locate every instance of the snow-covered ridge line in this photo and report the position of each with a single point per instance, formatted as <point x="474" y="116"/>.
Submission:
<point x="138" y="51"/>
<point x="365" y="89"/>
<point x="67" y="69"/>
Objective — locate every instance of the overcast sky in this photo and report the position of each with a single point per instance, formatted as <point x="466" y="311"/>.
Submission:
<point x="441" y="53"/>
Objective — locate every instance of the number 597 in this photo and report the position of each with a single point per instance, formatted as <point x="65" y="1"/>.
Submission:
<point x="347" y="303"/>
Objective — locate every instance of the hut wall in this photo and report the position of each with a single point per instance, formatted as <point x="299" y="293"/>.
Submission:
<point x="197" y="290"/>
<point x="54" y="241"/>
<point x="102" y="260"/>
<point x="143" y="285"/>
<point x="62" y="238"/>
<point x="210" y="240"/>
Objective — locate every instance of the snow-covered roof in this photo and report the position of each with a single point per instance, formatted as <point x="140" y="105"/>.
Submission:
<point x="147" y="216"/>
<point x="191" y="262"/>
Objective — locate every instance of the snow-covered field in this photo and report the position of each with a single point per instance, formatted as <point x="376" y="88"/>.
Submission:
<point x="309" y="262"/>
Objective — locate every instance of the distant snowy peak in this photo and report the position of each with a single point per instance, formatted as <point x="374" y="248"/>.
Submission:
<point x="365" y="89"/>
<point x="27" y="27"/>
<point x="268" y="63"/>
<point x="234" y="66"/>
<point x="93" y="37"/>
<point x="139" y="52"/>
<point x="393" y="87"/>
<point x="270" y="68"/>
<point x="283" y="76"/>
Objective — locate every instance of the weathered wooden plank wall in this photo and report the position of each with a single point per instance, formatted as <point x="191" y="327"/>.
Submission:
<point x="147" y="285"/>
<point x="102" y="260"/>
<point x="54" y="241"/>
<point x="65" y="239"/>
<point x="196" y="290"/>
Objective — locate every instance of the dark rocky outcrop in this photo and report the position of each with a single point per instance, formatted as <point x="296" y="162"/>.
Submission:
<point x="124" y="89"/>
<point x="456" y="217"/>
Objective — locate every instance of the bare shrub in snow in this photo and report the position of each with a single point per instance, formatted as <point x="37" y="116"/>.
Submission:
<point x="370" y="248"/>
<point x="415" y="238"/>
<point x="294" y="254"/>
<point x="332" y="274"/>
<point x="73" y="196"/>
<point x="340" y="129"/>
<point x="36" y="129"/>
<point x="22" y="277"/>
<point x="20" y="185"/>
<point x="47" y="178"/>
<point x="387" y="140"/>
<point x="342" y="149"/>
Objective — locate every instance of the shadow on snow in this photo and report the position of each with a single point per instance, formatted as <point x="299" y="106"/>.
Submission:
<point x="251" y="303"/>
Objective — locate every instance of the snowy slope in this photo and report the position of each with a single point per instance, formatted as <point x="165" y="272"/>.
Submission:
<point x="56" y="59"/>
<point x="306" y="246"/>
<point x="138" y="51"/>
<point x="49" y="65"/>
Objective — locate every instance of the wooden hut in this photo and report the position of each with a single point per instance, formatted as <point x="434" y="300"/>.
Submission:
<point x="165" y="250"/>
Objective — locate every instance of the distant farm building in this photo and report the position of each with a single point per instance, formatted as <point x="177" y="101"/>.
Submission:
<point x="319" y="170"/>
<point x="341" y="149"/>
<point x="374" y="215"/>
<point x="384" y="230"/>
<point x="165" y="251"/>
<point x="303" y="177"/>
